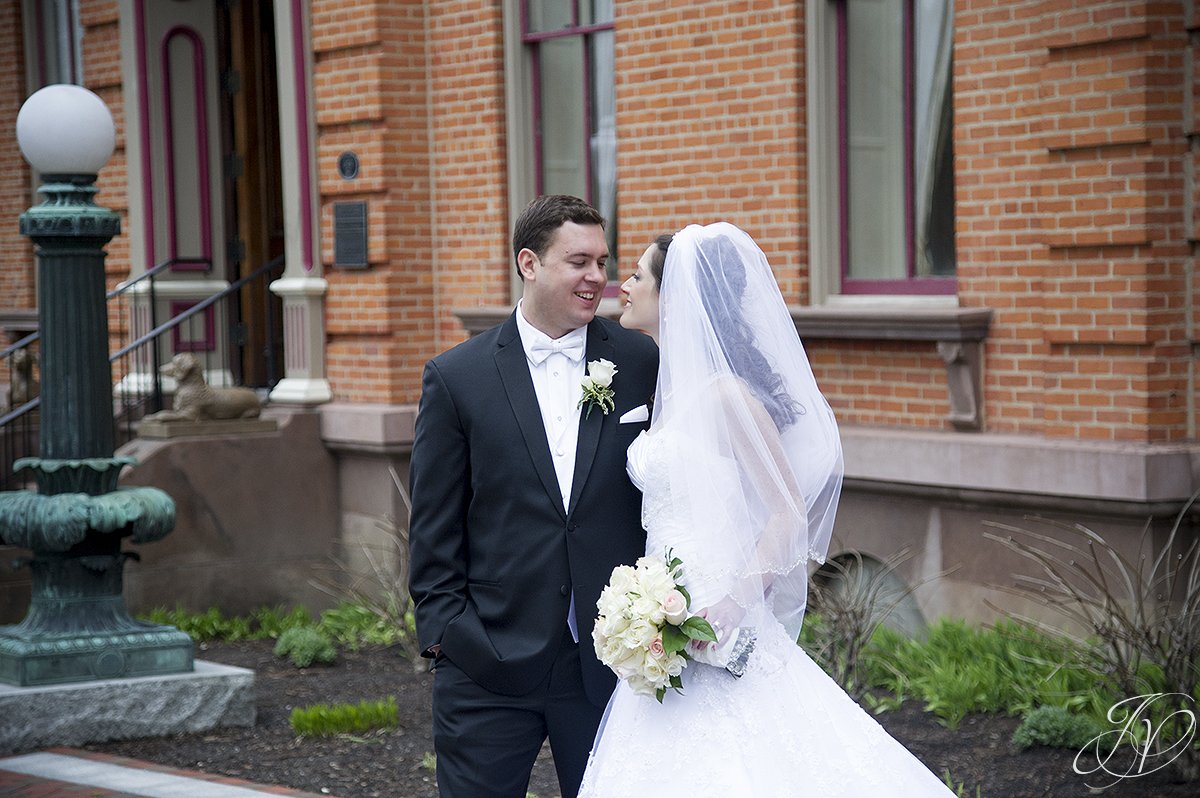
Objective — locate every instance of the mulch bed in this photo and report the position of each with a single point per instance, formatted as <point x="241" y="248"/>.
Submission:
<point x="978" y="753"/>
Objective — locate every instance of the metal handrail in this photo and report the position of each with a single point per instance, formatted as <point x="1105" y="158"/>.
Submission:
<point x="24" y="342"/>
<point x="17" y="412"/>
<point x="275" y="263"/>
<point x="120" y="289"/>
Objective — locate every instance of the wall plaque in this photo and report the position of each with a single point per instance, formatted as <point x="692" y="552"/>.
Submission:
<point x="350" y="235"/>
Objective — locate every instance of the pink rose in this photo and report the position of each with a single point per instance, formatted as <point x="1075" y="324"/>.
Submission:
<point x="675" y="607"/>
<point x="656" y="647"/>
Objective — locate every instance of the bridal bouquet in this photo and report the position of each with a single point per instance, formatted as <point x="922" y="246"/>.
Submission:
<point x="644" y="628"/>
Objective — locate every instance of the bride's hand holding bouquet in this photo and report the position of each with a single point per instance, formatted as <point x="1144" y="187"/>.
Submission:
<point x="644" y="629"/>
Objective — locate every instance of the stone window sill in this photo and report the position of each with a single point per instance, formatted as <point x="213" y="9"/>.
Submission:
<point x="958" y="334"/>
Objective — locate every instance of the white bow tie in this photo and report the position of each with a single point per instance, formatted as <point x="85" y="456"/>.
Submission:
<point x="571" y="346"/>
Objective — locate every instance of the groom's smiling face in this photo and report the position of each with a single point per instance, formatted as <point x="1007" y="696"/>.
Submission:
<point x="562" y="286"/>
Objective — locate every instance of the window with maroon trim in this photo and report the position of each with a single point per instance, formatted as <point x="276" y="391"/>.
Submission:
<point x="895" y="146"/>
<point x="570" y="45"/>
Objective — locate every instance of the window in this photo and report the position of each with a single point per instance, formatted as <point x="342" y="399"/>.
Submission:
<point x="572" y="104"/>
<point x="892" y="145"/>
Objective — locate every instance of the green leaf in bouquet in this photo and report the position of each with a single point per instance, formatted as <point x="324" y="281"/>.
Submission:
<point x="674" y="639"/>
<point x="687" y="597"/>
<point x="676" y="685"/>
<point x="698" y="629"/>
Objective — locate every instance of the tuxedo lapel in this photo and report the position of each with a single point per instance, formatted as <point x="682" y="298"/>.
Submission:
<point x="518" y="385"/>
<point x="598" y="346"/>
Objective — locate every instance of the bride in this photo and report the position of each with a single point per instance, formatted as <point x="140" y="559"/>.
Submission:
<point x="740" y="471"/>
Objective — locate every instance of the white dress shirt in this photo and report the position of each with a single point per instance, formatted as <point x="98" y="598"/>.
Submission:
<point x="558" y="383"/>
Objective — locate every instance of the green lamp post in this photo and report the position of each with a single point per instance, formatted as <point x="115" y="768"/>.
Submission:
<point x="77" y="627"/>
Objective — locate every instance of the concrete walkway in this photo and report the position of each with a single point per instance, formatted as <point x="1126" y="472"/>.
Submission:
<point x="69" y="773"/>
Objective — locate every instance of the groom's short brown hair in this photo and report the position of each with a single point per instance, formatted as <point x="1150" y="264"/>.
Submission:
<point x="537" y="223"/>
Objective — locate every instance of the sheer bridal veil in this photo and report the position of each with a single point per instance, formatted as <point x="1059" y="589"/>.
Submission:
<point x="760" y="471"/>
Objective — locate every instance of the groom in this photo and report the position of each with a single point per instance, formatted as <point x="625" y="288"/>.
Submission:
<point x="520" y="510"/>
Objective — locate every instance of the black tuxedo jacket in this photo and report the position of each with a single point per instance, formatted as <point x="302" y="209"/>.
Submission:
<point x="494" y="557"/>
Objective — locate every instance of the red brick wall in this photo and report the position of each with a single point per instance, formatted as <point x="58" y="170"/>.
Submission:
<point x="16" y="253"/>
<point x="416" y="90"/>
<point x="1191" y="206"/>
<point x="473" y="262"/>
<point x="710" y="107"/>
<point x="1068" y="124"/>
<point x="372" y="98"/>
<point x="998" y="164"/>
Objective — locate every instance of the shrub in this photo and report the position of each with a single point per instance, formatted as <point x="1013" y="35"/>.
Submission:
<point x="1055" y="727"/>
<point x="1140" y="615"/>
<point x="202" y="626"/>
<point x="304" y="645"/>
<point x="212" y="624"/>
<point x="323" y="720"/>
<point x="272" y="622"/>
<point x="351" y="625"/>
<point x="959" y="669"/>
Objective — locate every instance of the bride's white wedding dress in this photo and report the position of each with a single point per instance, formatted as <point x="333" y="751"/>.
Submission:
<point x="783" y="729"/>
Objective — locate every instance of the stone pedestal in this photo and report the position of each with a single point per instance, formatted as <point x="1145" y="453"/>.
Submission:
<point x="160" y="430"/>
<point x="211" y="696"/>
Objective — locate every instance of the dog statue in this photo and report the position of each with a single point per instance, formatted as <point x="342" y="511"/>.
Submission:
<point x="23" y="386"/>
<point x="196" y="400"/>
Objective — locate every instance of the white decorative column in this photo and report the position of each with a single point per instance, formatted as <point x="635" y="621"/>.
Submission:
<point x="301" y="287"/>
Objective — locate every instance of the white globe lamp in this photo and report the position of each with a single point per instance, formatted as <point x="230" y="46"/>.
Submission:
<point x="65" y="129"/>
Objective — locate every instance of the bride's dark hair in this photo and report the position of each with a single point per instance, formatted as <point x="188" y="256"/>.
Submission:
<point x="722" y="284"/>
<point x="659" y="257"/>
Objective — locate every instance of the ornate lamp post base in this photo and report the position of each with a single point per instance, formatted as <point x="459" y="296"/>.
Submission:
<point x="77" y="627"/>
<point x="84" y="632"/>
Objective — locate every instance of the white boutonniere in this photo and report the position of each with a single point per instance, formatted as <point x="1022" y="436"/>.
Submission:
<point x="597" y="386"/>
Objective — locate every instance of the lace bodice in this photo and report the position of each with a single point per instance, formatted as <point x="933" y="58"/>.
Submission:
<point x="673" y="519"/>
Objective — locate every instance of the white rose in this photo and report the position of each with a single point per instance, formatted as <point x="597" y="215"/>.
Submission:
<point x="649" y="609"/>
<point x="615" y="625"/>
<point x="639" y="634"/>
<point x="623" y="579"/>
<point x="599" y="639"/>
<point x="644" y="563"/>
<point x="600" y="372"/>
<point x="655" y="673"/>
<point x="656" y="581"/>
<point x="614" y="652"/>
<point x="675" y="665"/>
<point x="629" y="663"/>
<point x="640" y="685"/>
<point x="674" y="607"/>
<point x="612" y="602"/>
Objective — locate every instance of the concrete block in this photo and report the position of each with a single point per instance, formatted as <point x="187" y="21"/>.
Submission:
<point x="211" y="696"/>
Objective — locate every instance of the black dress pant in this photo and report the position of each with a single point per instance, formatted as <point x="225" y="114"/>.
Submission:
<point x="486" y="743"/>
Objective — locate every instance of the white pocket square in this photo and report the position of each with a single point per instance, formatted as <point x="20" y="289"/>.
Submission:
<point x="639" y="413"/>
